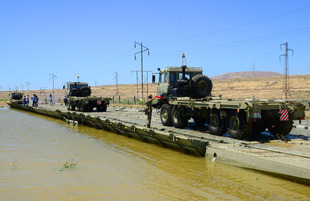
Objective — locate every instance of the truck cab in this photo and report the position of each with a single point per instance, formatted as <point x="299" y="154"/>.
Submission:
<point x="168" y="78"/>
<point x="78" y="89"/>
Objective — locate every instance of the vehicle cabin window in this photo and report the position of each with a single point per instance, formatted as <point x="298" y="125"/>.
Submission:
<point x="165" y="77"/>
<point x="173" y="77"/>
<point x="77" y="86"/>
<point x="161" y="78"/>
<point x="187" y="76"/>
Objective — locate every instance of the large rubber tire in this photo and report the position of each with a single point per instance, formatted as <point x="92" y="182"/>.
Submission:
<point x="281" y="127"/>
<point x="201" y="86"/>
<point x="102" y="108"/>
<point x="216" y="124"/>
<point x="85" y="91"/>
<point x="178" y="120"/>
<point x="165" y="115"/>
<point x="258" y="128"/>
<point x="237" y="127"/>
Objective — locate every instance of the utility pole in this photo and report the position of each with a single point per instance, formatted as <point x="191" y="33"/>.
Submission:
<point x="286" y="86"/>
<point x="116" y="79"/>
<point x="28" y="83"/>
<point x="147" y="81"/>
<point x="53" y="77"/>
<point x="1" y="88"/>
<point x="143" y="49"/>
<point x="137" y="81"/>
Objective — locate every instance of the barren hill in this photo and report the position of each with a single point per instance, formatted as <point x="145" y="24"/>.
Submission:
<point x="246" y="74"/>
<point x="270" y="87"/>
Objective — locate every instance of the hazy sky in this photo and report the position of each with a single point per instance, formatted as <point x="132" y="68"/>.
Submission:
<point x="95" y="38"/>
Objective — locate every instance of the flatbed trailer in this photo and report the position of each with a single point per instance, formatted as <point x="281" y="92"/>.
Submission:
<point x="239" y="118"/>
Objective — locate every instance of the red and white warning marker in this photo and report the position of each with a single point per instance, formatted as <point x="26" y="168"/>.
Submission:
<point x="284" y="115"/>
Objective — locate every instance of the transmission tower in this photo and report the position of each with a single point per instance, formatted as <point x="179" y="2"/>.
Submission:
<point x="137" y="78"/>
<point x="143" y="49"/>
<point x="116" y="79"/>
<point x="286" y="86"/>
<point x="53" y="77"/>
<point x="147" y="81"/>
<point x="28" y="83"/>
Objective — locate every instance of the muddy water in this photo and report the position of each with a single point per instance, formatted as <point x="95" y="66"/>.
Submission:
<point x="107" y="166"/>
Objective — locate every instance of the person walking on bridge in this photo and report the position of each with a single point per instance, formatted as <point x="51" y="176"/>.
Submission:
<point x="51" y="100"/>
<point x="148" y="110"/>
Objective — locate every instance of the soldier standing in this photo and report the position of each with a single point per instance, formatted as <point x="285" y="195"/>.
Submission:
<point x="148" y="110"/>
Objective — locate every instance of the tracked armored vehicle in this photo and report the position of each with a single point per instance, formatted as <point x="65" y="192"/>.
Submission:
<point x="184" y="93"/>
<point x="79" y="97"/>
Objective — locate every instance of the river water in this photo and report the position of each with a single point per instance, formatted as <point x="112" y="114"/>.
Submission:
<point x="105" y="166"/>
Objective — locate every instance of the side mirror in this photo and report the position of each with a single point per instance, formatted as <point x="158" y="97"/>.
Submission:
<point x="63" y="87"/>
<point x="153" y="79"/>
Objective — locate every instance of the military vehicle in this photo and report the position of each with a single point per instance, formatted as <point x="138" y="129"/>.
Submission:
<point x="16" y="97"/>
<point x="79" y="97"/>
<point x="184" y="93"/>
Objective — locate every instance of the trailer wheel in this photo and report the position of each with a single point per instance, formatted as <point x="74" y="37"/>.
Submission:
<point x="165" y="115"/>
<point x="281" y="127"/>
<point x="216" y="124"/>
<point x="237" y="127"/>
<point x="177" y="118"/>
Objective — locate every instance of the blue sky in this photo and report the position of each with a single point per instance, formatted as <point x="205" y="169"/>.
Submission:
<point x="95" y="38"/>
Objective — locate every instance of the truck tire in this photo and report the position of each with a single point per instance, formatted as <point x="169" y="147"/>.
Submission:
<point x="237" y="127"/>
<point x="177" y="118"/>
<point x="258" y="128"/>
<point x="281" y="127"/>
<point x="216" y="124"/>
<point x="165" y="115"/>
<point x="104" y="108"/>
<point x="85" y="91"/>
<point x="201" y="86"/>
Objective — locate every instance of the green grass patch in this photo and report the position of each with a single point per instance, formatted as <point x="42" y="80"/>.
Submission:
<point x="68" y="165"/>
<point x="4" y="99"/>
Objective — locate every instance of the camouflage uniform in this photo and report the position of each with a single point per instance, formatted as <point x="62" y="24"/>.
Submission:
<point x="148" y="110"/>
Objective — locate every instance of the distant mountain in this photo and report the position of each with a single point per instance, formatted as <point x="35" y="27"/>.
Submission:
<point x="245" y="74"/>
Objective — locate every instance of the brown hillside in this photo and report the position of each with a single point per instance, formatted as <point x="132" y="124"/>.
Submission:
<point x="261" y="88"/>
<point x="246" y="74"/>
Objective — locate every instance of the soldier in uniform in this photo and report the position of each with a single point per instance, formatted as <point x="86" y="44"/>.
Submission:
<point x="148" y="110"/>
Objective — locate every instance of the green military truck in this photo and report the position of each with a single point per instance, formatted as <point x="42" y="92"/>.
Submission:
<point x="184" y="93"/>
<point x="79" y="97"/>
<point x="16" y="97"/>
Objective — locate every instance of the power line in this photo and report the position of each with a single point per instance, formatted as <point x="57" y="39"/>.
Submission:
<point x="234" y="27"/>
<point x="240" y="43"/>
